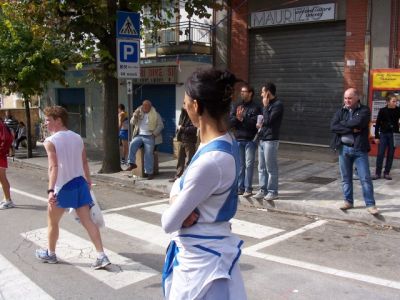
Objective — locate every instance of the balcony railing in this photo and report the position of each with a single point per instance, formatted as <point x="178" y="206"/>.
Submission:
<point x="182" y="37"/>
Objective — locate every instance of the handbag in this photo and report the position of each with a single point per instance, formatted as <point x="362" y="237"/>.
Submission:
<point x="396" y="139"/>
<point x="95" y="212"/>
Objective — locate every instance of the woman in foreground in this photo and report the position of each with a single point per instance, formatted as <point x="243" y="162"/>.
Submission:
<point x="202" y="259"/>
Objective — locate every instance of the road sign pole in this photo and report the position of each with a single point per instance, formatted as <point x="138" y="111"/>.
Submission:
<point x="130" y="99"/>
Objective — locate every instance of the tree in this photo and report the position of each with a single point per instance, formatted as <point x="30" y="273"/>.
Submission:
<point x="30" y="55"/>
<point x="90" y="26"/>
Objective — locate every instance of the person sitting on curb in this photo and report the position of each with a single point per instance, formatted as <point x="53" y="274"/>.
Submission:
<point x="148" y="125"/>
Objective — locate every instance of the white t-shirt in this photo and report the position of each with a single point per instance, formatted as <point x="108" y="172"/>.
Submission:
<point x="69" y="147"/>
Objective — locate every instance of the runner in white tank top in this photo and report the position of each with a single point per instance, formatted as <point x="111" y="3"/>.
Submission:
<point x="69" y="184"/>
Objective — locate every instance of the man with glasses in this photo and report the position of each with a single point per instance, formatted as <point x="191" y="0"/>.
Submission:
<point x="350" y="126"/>
<point x="243" y="119"/>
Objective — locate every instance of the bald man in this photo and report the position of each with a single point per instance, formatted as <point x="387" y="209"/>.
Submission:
<point x="148" y="125"/>
<point x="350" y="126"/>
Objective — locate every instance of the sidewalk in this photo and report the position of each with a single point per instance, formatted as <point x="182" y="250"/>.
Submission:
<point x="309" y="184"/>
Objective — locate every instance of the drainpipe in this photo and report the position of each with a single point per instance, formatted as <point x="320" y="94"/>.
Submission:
<point x="367" y="56"/>
<point x="395" y="59"/>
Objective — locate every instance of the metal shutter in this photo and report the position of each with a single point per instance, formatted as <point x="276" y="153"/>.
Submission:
<point x="306" y="63"/>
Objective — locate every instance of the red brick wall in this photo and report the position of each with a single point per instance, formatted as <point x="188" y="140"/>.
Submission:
<point x="397" y="38"/>
<point x="239" y="48"/>
<point x="356" y="25"/>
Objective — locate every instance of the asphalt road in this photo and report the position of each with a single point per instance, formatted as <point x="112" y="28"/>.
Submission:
<point x="284" y="256"/>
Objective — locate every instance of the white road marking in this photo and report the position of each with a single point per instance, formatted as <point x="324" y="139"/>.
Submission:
<point x="283" y="237"/>
<point x="16" y="285"/>
<point x="81" y="253"/>
<point x="133" y="205"/>
<point x="154" y="234"/>
<point x="43" y="199"/>
<point x="327" y="270"/>
<point x="240" y="227"/>
<point x="137" y="229"/>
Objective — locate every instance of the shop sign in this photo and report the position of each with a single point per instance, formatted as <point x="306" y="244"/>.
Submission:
<point x="387" y="80"/>
<point x="293" y="15"/>
<point x="157" y="75"/>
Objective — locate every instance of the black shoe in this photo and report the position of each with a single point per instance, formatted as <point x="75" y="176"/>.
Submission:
<point x="150" y="176"/>
<point x="173" y="179"/>
<point x="131" y="167"/>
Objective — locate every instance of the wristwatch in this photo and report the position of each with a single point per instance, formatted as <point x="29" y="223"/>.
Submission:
<point x="50" y="191"/>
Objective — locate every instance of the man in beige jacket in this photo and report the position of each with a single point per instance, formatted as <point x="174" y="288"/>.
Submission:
<point x="147" y="129"/>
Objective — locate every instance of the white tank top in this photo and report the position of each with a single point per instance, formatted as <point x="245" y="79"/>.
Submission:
<point x="69" y="147"/>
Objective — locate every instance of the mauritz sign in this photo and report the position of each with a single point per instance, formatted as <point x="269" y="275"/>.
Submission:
<point x="293" y="15"/>
<point x="157" y="75"/>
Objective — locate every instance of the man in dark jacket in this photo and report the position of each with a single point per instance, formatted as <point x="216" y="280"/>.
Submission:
<point x="186" y="135"/>
<point x="243" y="119"/>
<point x="350" y="125"/>
<point x="387" y="123"/>
<point x="269" y="143"/>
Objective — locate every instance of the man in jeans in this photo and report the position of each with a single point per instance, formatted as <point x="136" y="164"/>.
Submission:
<point x="350" y="125"/>
<point x="243" y="118"/>
<point x="148" y="125"/>
<point x="268" y="145"/>
<point x="387" y="123"/>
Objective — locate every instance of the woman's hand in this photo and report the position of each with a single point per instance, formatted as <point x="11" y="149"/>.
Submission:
<point x="191" y="220"/>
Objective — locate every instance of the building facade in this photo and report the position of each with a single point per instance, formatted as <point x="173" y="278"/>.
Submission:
<point x="312" y="50"/>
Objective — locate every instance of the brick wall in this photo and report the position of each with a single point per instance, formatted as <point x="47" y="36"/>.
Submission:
<point x="356" y="25"/>
<point x="239" y="45"/>
<point x="397" y="38"/>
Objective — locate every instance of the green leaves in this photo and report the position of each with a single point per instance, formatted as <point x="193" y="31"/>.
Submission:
<point x="31" y="54"/>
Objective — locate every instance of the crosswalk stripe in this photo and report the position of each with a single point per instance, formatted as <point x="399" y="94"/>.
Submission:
<point x="240" y="227"/>
<point x="283" y="237"/>
<point x="137" y="229"/>
<point x="16" y="285"/>
<point x="81" y="253"/>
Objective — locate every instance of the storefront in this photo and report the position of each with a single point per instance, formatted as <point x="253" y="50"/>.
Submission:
<point x="301" y="50"/>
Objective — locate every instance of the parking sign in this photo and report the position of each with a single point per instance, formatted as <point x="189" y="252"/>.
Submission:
<point x="128" y="58"/>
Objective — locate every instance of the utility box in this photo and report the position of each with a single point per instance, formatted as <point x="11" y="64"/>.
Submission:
<point x="382" y="82"/>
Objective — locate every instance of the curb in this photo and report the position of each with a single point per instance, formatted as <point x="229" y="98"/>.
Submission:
<point x="355" y="215"/>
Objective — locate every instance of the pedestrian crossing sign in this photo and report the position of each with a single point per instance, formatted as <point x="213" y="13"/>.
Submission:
<point x="128" y="25"/>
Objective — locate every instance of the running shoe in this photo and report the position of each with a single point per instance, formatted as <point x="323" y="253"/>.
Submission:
<point x="101" y="263"/>
<point x="7" y="204"/>
<point x="43" y="255"/>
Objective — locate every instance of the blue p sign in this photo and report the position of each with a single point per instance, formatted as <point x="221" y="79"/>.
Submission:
<point x="128" y="52"/>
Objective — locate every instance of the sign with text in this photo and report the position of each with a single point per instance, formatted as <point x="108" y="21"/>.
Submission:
<point x="386" y="79"/>
<point x="158" y="75"/>
<point x="128" y="58"/>
<point x="293" y="15"/>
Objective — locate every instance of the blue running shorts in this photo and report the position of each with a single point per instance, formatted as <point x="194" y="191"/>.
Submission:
<point x="74" y="194"/>
<point x="123" y="134"/>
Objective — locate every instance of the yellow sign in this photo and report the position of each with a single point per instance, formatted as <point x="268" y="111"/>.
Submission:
<point x="389" y="80"/>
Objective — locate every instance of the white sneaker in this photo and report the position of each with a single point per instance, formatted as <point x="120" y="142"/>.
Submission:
<point x="7" y="204"/>
<point x="260" y="195"/>
<point x="271" y="196"/>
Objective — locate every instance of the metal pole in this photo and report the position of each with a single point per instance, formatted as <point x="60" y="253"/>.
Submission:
<point x="130" y="99"/>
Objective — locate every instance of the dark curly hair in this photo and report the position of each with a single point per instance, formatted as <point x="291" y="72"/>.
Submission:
<point x="213" y="89"/>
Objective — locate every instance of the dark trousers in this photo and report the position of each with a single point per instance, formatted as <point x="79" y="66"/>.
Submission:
<point x="185" y="154"/>
<point x="18" y="141"/>
<point x="385" y="142"/>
